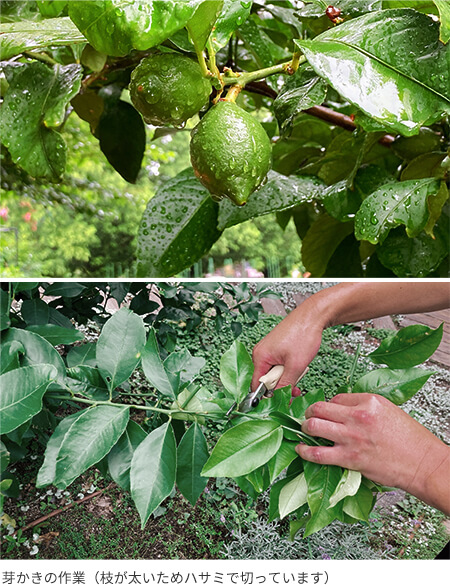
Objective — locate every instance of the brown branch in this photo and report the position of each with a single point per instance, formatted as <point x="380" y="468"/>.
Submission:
<point x="60" y="510"/>
<point x="322" y="112"/>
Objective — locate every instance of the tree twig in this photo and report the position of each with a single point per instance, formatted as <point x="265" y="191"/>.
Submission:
<point x="60" y="510"/>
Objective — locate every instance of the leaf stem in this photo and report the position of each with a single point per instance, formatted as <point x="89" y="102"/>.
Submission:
<point x="353" y="368"/>
<point x="135" y="406"/>
<point x="231" y="77"/>
<point x="42" y="57"/>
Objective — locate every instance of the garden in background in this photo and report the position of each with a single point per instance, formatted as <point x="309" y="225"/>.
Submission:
<point x="119" y="430"/>
<point x="294" y="137"/>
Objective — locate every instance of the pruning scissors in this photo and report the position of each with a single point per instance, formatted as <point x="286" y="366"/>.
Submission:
<point x="265" y="388"/>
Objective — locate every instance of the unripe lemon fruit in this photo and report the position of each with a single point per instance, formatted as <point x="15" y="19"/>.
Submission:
<point x="168" y="89"/>
<point x="230" y="152"/>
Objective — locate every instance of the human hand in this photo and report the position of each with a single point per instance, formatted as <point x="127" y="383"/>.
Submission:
<point x="293" y="343"/>
<point x="377" y="438"/>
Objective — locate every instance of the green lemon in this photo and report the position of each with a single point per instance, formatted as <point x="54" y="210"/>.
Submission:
<point x="230" y="152"/>
<point x="168" y="89"/>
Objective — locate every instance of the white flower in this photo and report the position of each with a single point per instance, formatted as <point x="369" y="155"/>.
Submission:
<point x="34" y="550"/>
<point x="24" y="508"/>
<point x="80" y="496"/>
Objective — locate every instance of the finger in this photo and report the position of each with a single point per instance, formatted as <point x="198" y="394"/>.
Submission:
<point x="347" y="399"/>
<point x="318" y="427"/>
<point x="262" y="366"/>
<point x="334" y="455"/>
<point x="328" y="411"/>
<point x="293" y="373"/>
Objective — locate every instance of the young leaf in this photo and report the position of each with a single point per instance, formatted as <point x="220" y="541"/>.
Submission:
<point x="409" y="347"/>
<point x="9" y="355"/>
<point x="236" y="370"/>
<point x="120" y="456"/>
<point x="82" y="355"/>
<point x="37" y="350"/>
<point x="91" y="436"/>
<point x="178" y="227"/>
<point x="398" y="386"/>
<point x="153" y="470"/>
<point x="394" y="204"/>
<point x="444" y="12"/>
<point x="22" y="392"/>
<point x="192" y="454"/>
<point x="259" y="479"/>
<point x="395" y="51"/>
<point x="233" y="15"/>
<point x="303" y="90"/>
<point x="322" y="482"/>
<point x="203" y="21"/>
<point x="293" y="495"/>
<point x="88" y="381"/>
<point x="46" y="474"/>
<point x="57" y="335"/>
<point x="244" y="448"/>
<point x="4" y="457"/>
<point x="359" y="505"/>
<point x="32" y="110"/>
<point x="119" y="346"/>
<point x="301" y="403"/>
<point x="348" y="486"/>
<point x="159" y="377"/>
<point x="283" y="457"/>
<point x="184" y="365"/>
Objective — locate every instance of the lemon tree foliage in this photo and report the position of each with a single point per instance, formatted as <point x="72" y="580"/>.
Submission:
<point x="74" y="399"/>
<point x="330" y="115"/>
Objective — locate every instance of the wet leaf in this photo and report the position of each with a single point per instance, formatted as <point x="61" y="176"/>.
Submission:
<point x="280" y="192"/>
<point x="398" y="203"/>
<point x="300" y="92"/>
<point x="379" y="60"/>
<point x="116" y="27"/>
<point x="26" y="35"/>
<point x="178" y="227"/>
<point x="233" y="15"/>
<point x="33" y="109"/>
